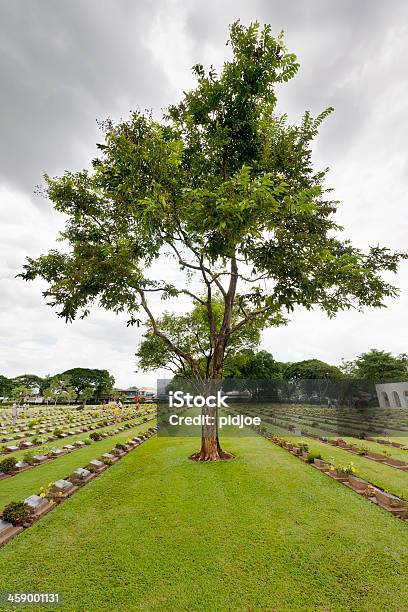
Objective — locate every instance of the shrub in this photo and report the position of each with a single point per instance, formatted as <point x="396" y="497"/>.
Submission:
<point x="312" y="456"/>
<point x="57" y="432"/>
<point x="304" y="447"/>
<point x="362" y="435"/>
<point x="107" y="461"/>
<point x="120" y="446"/>
<point x="8" y="465"/>
<point x="363" y="449"/>
<point x="28" y="457"/>
<point x="95" y="436"/>
<point x="87" y="441"/>
<point x="16" y="513"/>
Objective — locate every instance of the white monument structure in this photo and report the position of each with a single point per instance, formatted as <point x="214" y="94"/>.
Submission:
<point x="392" y="395"/>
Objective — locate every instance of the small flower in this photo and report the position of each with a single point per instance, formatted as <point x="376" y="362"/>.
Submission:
<point x="42" y="494"/>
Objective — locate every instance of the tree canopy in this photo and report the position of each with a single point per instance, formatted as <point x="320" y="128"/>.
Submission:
<point x="192" y="334"/>
<point x="377" y="365"/>
<point x="84" y="378"/>
<point x="311" y="369"/>
<point x="259" y="365"/>
<point x="32" y="381"/>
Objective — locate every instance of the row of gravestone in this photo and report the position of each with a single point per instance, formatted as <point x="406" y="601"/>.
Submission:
<point x="40" y="504"/>
<point x="26" y="444"/>
<point x="22" y="466"/>
<point x="389" y="502"/>
<point x="371" y="455"/>
<point x="353" y="448"/>
<point x="51" y="425"/>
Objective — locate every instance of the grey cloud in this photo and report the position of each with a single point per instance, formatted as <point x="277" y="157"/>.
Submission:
<point x="62" y="65"/>
<point x="332" y="41"/>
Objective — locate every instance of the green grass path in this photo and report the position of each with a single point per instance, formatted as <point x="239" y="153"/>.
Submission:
<point x="262" y="532"/>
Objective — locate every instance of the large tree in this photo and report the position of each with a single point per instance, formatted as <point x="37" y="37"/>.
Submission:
<point x="82" y="378"/>
<point x="225" y="189"/>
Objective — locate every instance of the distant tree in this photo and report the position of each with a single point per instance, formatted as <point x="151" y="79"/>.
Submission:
<point x="315" y="378"/>
<point x="82" y="378"/>
<point x="311" y="369"/>
<point x="86" y="394"/>
<point x="255" y="366"/>
<point x="19" y="392"/>
<point x="377" y="365"/>
<point x="225" y="189"/>
<point x="34" y="382"/>
<point x="57" y="387"/>
<point x="67" y="394"/>
<point x="6" y="386"/>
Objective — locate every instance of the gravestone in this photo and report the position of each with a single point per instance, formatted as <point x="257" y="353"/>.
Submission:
<point x="96" y="464"/>
<point x="82" y="473"/>
<point x="358" y="484"/>
<point x="39" y="458"/>
<point x="26" y="444"/>
<point x="62" y="486"/>
<point x="36" y="503"/>
<point x="5" y="528"/>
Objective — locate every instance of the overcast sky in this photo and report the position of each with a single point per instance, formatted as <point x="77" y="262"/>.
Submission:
<point x="65" y="64"/>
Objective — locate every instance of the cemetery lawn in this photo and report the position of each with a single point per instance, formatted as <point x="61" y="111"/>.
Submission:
<point x="384" y="476"/>
<point x="22" y="485"/>
<point x="262" y="532"/>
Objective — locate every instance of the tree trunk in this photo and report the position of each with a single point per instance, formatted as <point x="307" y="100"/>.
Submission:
<point x="211" y="450"/>
<point x="210" y="445"/>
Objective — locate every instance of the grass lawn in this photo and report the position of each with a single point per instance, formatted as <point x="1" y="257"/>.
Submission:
<point x="262" y="532"/>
